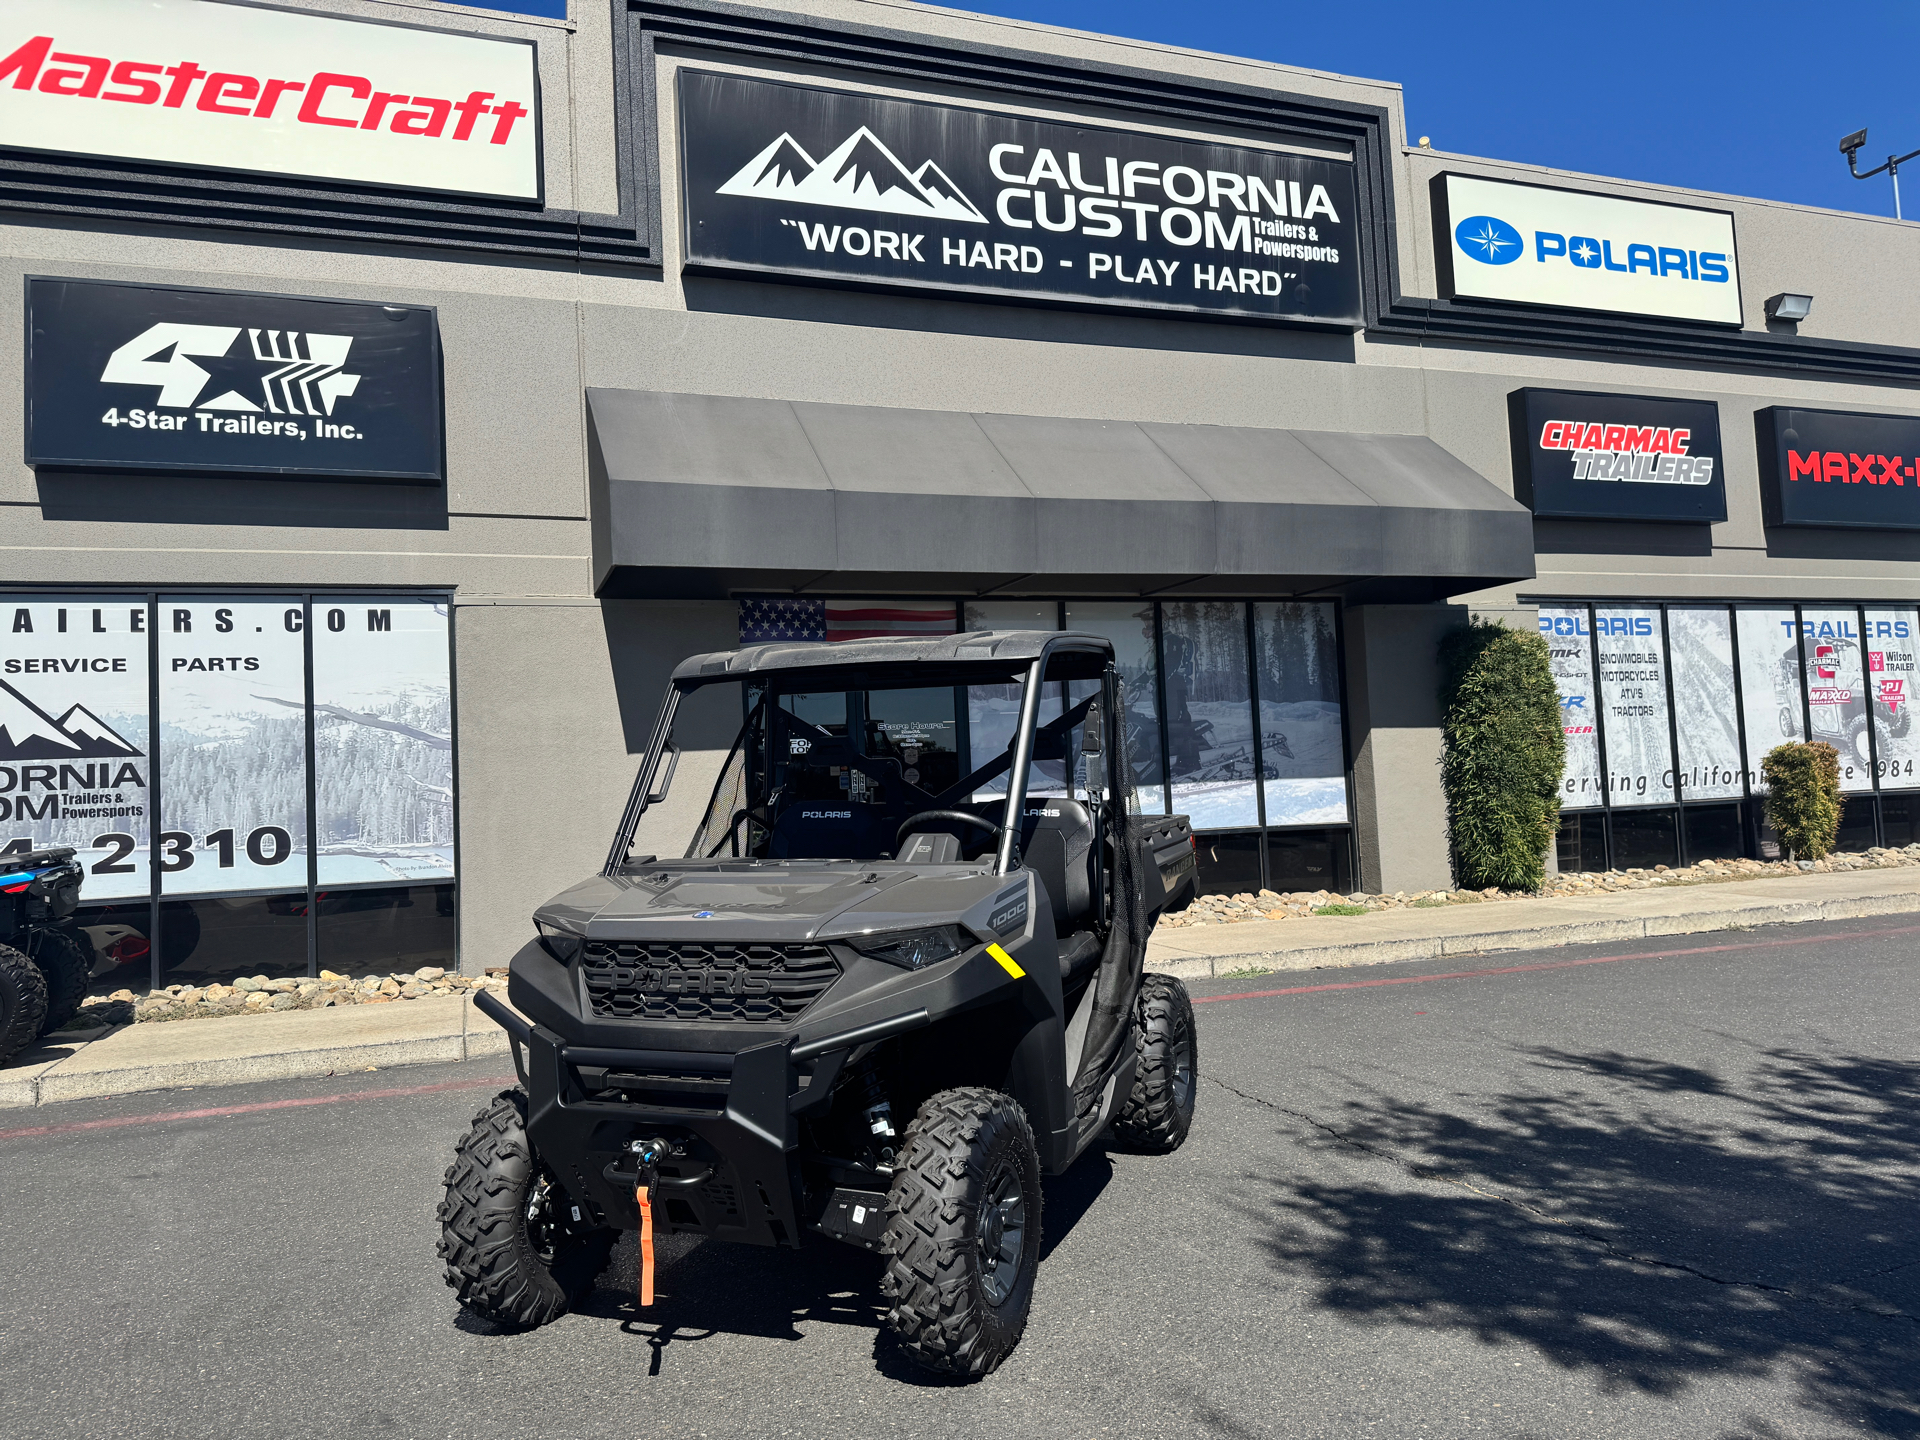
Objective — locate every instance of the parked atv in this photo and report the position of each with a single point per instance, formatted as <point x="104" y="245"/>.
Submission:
<point x="884" y="992"/>
<point x="43" y="964"/>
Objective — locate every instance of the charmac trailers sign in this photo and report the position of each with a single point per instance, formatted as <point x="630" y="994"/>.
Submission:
<point x="795" y="180"/>
<point x="144" y="377"/>
<point x="270" y="91"/>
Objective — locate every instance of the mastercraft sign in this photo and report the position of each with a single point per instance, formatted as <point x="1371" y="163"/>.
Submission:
<point x="800" y="181"/>
<point x="273" y="92"/>
<point x="1498" y="240"/>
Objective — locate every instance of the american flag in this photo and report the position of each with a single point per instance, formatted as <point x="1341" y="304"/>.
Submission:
<point x="777" y="618"/>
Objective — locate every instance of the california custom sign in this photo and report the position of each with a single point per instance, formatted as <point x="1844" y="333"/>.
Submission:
<point x="243" y="87"/>
<point x="1591" y="456"/>
<point x="799" y="181"/>
<point x="148" y="377"/>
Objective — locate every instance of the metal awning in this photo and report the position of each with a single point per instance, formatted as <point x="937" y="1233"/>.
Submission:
<point x="704" y="496"/>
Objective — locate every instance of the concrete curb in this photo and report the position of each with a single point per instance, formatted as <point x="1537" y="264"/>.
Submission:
<point x="1542" y="937"/>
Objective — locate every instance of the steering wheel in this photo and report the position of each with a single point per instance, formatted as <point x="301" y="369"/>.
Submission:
<point x="964" y="817"/>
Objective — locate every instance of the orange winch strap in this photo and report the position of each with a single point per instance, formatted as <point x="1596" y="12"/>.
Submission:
<point x="646" y="1205"/>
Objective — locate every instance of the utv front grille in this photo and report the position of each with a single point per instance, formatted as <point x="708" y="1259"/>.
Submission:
<point x="704" y="981"/>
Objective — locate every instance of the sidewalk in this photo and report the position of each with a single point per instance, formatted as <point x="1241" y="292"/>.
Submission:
<point x="1414" y="935"/>
<point x="119" y="1060"/>
<point x="276" y="1046"/>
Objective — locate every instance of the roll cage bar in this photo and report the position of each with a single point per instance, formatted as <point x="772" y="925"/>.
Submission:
<point x="1018" y="758"/>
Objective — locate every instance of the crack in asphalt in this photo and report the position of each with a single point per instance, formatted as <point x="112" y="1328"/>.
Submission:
<point x="1430" y="1173"/>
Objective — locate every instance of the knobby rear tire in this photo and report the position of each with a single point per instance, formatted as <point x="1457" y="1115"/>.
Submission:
<point x="23" y="1002"/>
<point x="1159" y="1109"/>
<point x="66" y="962"/>
<point x="497" y="1264"/>
<point x="965" y="1148"/>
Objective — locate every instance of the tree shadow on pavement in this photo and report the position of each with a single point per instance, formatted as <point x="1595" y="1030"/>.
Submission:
<point x="1652" y="1224"/>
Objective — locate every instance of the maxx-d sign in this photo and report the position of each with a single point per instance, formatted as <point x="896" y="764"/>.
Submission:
<point x="800" y="181"/>
<point x="140" y="377"/>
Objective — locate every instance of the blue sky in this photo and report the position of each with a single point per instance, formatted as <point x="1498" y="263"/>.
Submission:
<point x="1749" y="99"/>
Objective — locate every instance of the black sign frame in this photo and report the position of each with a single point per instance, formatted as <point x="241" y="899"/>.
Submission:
<point x="1545" y="478"/>
<point x="762" y="235"/>
<point x="1786" y="502"/>
<point x="65" y="386"/>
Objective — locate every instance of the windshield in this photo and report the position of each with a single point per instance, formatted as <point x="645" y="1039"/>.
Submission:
<point x="834" y="774"/>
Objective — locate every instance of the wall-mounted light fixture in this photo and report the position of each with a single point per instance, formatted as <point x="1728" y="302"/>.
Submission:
<point x="1791" y="308"/>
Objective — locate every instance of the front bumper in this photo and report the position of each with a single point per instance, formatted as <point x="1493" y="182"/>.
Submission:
<point x="733" y="1170"/>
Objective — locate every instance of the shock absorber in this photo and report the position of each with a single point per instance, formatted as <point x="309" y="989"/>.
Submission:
<point x="877" y="1111"/>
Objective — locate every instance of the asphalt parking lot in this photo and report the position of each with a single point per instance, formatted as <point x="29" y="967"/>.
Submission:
<point x="1666" y="1189"/>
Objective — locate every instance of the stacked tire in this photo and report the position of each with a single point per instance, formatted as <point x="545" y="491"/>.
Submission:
<point x="40" y="987"/>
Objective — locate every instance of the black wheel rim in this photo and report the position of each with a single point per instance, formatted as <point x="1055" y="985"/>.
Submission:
<point x="544" y="1226"/>
<point x="1002" y="1235"/>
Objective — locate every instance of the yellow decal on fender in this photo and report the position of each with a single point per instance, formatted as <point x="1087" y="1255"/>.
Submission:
<point x="1007" y="962"/>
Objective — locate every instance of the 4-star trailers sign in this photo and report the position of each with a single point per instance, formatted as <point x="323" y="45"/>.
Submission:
<point x="800" y="181"/>
<point x="242" y="87"/>
<point x="1498" y="240"/>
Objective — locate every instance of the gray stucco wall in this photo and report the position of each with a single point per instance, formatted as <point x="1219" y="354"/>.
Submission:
<point x="556" y="689"/>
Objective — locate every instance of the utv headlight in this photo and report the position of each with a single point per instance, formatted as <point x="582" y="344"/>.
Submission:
<point x="914" y="950"/>
<point x="563" y="946"/>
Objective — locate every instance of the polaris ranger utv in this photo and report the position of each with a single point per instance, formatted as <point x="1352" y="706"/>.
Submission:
<point x="883" y="993"/>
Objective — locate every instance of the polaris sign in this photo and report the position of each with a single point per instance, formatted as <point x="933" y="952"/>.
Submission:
<point x="1496" y="240"/>
<point x="848" y="188"/>
<point x="143" y="377"/>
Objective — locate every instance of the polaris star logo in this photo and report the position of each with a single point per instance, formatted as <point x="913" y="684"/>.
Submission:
<point x="858" y="174"/>
<point x="1488" y="240"/>
<point x="302" y="372"/>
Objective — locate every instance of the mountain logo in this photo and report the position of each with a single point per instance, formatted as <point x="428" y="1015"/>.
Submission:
<point x="28" y="733"/>
<point x="306" y="378"/>
<point x="858" y="174"/>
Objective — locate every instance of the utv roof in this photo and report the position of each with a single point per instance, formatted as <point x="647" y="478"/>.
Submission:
<point x="1004" y="650"/>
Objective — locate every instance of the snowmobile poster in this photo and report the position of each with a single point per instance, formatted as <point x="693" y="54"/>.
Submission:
<point x="830" y="184"/>
<point x="74" y="763"/>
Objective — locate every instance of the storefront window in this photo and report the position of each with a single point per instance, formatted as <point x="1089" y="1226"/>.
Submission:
<point x="1572" y="657"/>
<point x="1702" y="638"/>
<point x="1130" y="626"/>
<point x="1837" y="697"/>
<point x="1635" y="704"/>
<point x="74" y="759"/>
<point x="262" y="700"/>
<point x="1210" y="715"/>
<point x="233" y="745"/>
<point x="1770" y="684"/>
<point x="399" y="928"/>
<point x="1304" y="763"/>
<point x="1890" y="637"/>
<point x="383" y="741"/>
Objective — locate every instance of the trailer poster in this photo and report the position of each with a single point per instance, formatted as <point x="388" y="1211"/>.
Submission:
<point x="1770" y="684"/>
<point x="383" y="742"/>
<point x="1891" y="677"/>
<point x="1565" y="628"/>
<point x="233" y="745"/>
<point x="1837" y="698"/>
<point x="1634" y="705"/>
<point x="1703" y="644"/>
<point x="74" y="763"/>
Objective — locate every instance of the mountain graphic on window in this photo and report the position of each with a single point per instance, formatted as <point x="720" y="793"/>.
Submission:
<point x="28" y="733"/>
<point x="858" y="174"/>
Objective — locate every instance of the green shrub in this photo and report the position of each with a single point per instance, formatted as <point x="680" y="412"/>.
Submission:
<point x="1502" y="751"/>
<point x="1339" y="908"/>
<point x="1804" y="796"/>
